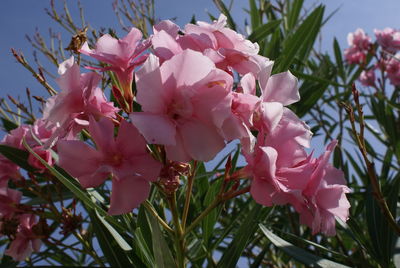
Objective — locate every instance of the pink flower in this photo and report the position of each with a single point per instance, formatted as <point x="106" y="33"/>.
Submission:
<point x="355" y="56"/>
<point x="180" y="100"/>
<point x="123" y="56"/>
<point x="9" y="199"/>
<point x="44" y="154"/>
<point x="388" y="39"/>
<point x="393" y="70"/>
<point x="324" y="197"/>
<point x="8" y="170"/>
<point x="79" y="98"/>
<point x="26" y="240"/>
<point x="228" y="49"/>
<point x="359" y="39"/>
<point x="367" y="77"/>
<point x="278" y="161"/>
<point x="124" y="158"/>
<point x="359" y="44"/>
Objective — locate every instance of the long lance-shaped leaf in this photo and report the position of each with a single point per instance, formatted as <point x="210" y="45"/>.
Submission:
<point x="241" y="238"/>
<point x="297" y="253"/>
<point x="162" y="254"/>
<point x="221" y="6"/>
<point x="17" y="156"/>
<point x="302" y="41"/>
<point x="262" y="31"/>
<point x="108" y="244"/>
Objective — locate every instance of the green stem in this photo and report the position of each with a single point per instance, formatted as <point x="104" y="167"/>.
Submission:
<point x="150" y="208"/>
<point x="178" y="238"/>
<point x="188" y="194"/>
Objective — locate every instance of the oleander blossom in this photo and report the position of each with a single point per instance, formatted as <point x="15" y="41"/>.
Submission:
<point x="26" y="241"/>
<point x="35" y="135"/>
<point x="122" y="55"/>
<point x="180" y="100"/>
<point x="124" y="158"/>
<point x="388" y="39"/>
<point x="360" y="44"/>
<point x="79" y="99"/>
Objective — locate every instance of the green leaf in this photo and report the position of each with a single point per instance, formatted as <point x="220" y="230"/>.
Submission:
<point x="301" y="42"/>
<point x="299" y="254"/>
<point x="241" y="238"/>
<point x="224" y="10"/>
<point x="162" y="253"/>
<point x="17" y="156"/>
<point x="383" y="238"/>
<point x="210" y="220"/>
<point x="117" y="237"/>
<point x="339" y="58"/>
<point x="142" y="249"/>
<point x="293" y="14"/>
<point x="108" y="244"/>
<point x="258" y="34"/>
<point x="254" y="15"/>
<point x="8" y="125"/>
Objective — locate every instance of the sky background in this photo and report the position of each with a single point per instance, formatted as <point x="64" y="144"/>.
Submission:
<point x="21" y="17"/>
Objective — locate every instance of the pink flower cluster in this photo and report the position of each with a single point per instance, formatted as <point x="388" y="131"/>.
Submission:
<point x="360" y="44"/>
<point x="388" y="61"/>
<point x="191" y="107"/>
<point x="16" y="222"/>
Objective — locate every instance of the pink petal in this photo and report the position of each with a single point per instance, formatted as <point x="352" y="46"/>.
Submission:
<point x="261" y="191"/>
<point x="151" y="92"/>
<point x="82" y="168"/>
<point x="127" y="194"/>
<point x="282" y="88"/>
<point x="187" y="68"/>
<point x="129" y="141"/>
<point x="165" y="45"/>
<point x="157" y="129"/>
<point x="102" y="133"/>
<point x="202" y="142"/>
<point x="177" y="152"/>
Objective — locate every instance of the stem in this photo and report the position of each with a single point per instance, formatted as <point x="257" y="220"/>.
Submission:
<point x="377" y="193"/>
<point x="88" y="248"/>
<point x="178" y="238"/>
<point x="188" y="195"/>
<point x="150" y="208"/>
<point x="220" y="199"/>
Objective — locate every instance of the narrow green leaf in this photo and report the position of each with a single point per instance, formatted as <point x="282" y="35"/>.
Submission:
<point x="17" y="156"/>
<point x="297" y="253"/>
<point x="8" y="125"/>
<point x="233" y="252"/>
<point x="224" y="10"/>
<point x="113" y="253"/>
<point x="254" y="15"/>
<point x="117" y="237"/>
<point x="258" y="34"/>
<point x="338" y="57"/>
<point x="210" y="220"/>
<point x="293" y="14"/>
<point x="162" y="253"/>
<point x="302" y="41"/>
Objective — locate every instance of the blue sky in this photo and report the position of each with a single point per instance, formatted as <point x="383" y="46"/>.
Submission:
<point x="21" y="17"/>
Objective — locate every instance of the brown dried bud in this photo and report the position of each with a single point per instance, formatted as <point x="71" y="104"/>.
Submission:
<point x="78" y="40"/>
<point x="170" y="175"/>
<point x="9" y="227"/>
<point x="70" y="221"/>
